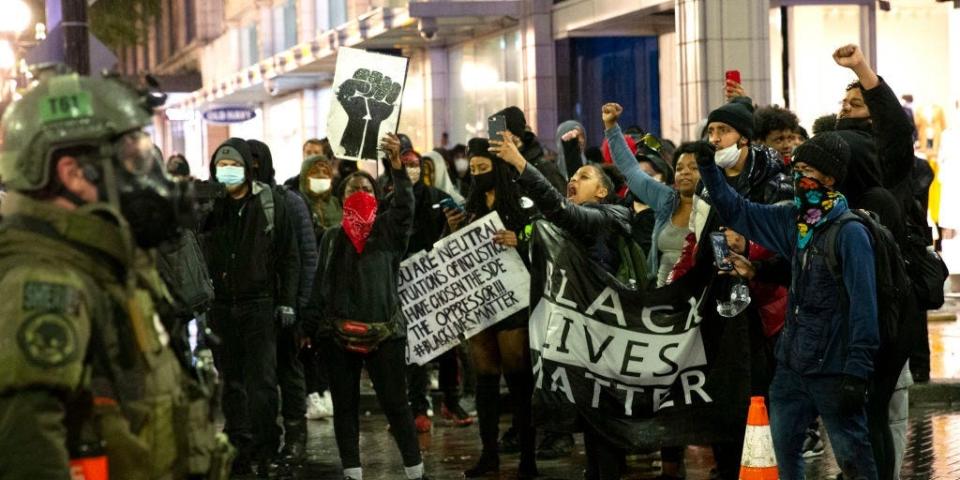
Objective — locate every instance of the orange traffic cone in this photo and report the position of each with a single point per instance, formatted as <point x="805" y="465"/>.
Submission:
<point x="758" y="461"/>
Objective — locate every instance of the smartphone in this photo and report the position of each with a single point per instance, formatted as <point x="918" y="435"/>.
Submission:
<point x="449" y="203"/>
<point x="733" y="75"/>
<point x="720" y="251"/>
<point x="495" y="125"/>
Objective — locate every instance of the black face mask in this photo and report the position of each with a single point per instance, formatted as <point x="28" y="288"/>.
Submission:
<point x="862" y="124"/>
<point x="485" y="181"/>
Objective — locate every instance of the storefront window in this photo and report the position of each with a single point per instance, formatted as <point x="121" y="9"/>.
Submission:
<point x="485" y="76"/>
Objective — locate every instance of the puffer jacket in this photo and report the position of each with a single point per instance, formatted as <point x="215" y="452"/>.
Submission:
<point x="596" y="226"/>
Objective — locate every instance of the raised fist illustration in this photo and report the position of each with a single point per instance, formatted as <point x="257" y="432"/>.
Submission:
<point x="368" y="98"/>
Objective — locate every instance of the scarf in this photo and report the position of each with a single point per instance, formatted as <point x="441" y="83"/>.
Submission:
<point x="359" y="213"/>
<point x="814" y="202"/>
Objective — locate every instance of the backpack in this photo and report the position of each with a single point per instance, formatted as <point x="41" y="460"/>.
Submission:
<point x="182" y="267"/>
<point x="267" y="196"/>
<point x="893" y="282"/>
<point x="927" y="271"/>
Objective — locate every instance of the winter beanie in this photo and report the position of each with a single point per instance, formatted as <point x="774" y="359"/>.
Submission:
<point x="516" y="121"/>
<point x="738" y="114"/>
<point x="479" y="147"/>
<point x="228" y="152"/>
<point x="828" y="152"/>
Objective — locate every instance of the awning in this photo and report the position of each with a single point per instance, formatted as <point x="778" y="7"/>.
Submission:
<point x="306" y="65"/>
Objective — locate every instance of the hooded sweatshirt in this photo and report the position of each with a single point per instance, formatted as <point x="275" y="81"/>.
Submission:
<point x="569" y="156"/>
<point x="442" y="179"/>
<point x="325" y="209"/>
<point x="246" y="262"/>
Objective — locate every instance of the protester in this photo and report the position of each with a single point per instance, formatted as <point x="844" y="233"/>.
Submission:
<point x="829" y="379"/>
<point x="254" y="262"/>
<point x="354" y="312"/>
<point x="571" y="145"/>
<point x="503" y="348"/>
<point x="597" y="225"/>
<point x="178" y="167"/>
<point x="442" y="180"/>
<point x="776" y="128"/>
<point x="528" y="145"/>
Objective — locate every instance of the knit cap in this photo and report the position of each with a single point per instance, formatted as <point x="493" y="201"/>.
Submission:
<point x="828" y="152"/>
<point x="738" y="114"/>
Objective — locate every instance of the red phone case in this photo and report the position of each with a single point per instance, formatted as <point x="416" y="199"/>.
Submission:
<point x="733" y="75"/>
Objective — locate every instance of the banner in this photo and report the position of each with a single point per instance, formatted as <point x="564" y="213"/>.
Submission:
<point x="641" y="367"/>
<point x="367" y="89"/>
<point x="465" y="284"/>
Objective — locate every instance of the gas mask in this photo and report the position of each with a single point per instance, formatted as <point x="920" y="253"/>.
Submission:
<point x="154" y="205"/>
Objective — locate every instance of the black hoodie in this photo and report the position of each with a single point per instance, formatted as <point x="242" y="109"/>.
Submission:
<point x="246" y="262"/>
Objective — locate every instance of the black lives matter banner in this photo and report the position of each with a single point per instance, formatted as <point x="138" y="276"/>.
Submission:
<point x="640" y="366"/>
<point x="463" y="285"/>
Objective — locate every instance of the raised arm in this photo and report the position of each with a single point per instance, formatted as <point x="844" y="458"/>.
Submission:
<point x="399" y="218"/>
<point x="649" y="191"/>
<point x="772" y="226"/>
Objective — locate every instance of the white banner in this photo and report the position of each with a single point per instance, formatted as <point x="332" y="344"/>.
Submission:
<point x="465" y="284"/>
<point x="366" y="103"/>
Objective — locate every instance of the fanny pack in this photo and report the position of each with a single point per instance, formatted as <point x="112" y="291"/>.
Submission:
<point x="360" y="337"/>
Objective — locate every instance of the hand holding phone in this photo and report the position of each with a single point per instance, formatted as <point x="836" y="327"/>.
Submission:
<point x="733" y="76"/>
<point x="449" y="203"/>
<point x="721" y="251"/>
<point x="495" y="125"/>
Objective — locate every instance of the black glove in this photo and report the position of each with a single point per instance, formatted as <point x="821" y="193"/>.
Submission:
<point x="704" y="153"/>
<point x="853" y="395"/>
<point x="286" y="316"/>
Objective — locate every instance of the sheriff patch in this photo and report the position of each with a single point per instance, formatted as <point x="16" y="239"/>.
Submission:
<point x="48" y="340"/>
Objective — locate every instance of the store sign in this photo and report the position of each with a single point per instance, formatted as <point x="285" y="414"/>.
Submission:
<point x="229" y="115"/>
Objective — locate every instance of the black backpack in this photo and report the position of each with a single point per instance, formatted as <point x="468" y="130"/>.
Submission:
<point x="893" y="282"/>
<point x="182" y="267"/>
<point x="927" y="271"/>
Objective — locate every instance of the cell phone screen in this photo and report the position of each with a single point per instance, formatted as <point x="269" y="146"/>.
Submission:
<point x="733" y="75"/>
<point x="495" y="125"/>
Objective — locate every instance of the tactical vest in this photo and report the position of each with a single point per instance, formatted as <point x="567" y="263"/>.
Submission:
<point x="155" y="421"/>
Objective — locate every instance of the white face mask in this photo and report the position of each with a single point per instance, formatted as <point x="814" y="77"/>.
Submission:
<point x="461" y="165"/>
<point x="727" y="157"/>
<point x="414" y="174"/>
<point x="320" y="185"/>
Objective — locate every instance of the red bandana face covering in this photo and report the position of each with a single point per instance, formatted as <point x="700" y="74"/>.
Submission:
<point x="359" y="212"/>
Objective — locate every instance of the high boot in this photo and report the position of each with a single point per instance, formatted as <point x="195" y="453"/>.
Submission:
<point x="521" y="390"/>
<point x="488" y="415"/>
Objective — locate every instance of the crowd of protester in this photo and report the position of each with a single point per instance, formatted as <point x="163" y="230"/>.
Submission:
<point x="304" y="276"/>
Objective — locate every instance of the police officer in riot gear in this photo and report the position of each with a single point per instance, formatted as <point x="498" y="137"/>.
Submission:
<point x="88" y="379"/>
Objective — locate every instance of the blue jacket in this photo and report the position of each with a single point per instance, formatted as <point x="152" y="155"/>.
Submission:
<point x="827" y="332"/>
<point x="662" y="199"/>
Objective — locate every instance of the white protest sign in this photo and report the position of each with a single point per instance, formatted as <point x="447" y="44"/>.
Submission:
<point x="464" y="285"/>
<point x="366" y="103"/>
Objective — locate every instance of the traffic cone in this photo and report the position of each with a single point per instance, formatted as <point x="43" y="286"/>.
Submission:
<point x="758" y="461"/>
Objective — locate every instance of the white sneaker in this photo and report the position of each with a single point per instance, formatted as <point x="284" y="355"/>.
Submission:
<point x="315" y="407"/>
<point x="326" y="402"/>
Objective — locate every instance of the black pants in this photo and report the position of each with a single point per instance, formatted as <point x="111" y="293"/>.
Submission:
<point x="314" y="371"/>
<point x="605" y="461"/>
<point x="247" y="359"/>
<point x="385" y="365"/>
<point x="882" y="384"/>
<point x="293" y="390"/>
<point x="419" y="382"/>
<point x="920" y="354"/>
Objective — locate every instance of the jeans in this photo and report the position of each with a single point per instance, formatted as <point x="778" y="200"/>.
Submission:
<point x="795" y="401"/>
<point x="247" y="359"/>
<point x="293" y="390"/>
<point x="385" y="365"/>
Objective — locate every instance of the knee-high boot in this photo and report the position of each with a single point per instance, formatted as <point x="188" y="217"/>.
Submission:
<point x="488" y="416"/>
<point x="521" y="390"/>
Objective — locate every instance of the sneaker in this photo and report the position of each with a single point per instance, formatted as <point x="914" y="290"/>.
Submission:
<point x="314" y="407"/>
<point x="555" y="445"/>
<point x="423" y="423"/>
<point x="327" y="401"/>
<point x="457" y="415"/>
<point x="813" y="444"/>
<point x="510" y="442"/>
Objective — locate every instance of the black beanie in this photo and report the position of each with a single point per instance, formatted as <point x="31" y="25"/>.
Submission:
<point x="738" y="114"/>
<point x="828" y="152"/>
<point x="479" y="147"/>
<point x="516" y="121"/>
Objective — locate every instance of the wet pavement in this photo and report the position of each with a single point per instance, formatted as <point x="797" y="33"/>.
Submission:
<point x="933" y="452"/>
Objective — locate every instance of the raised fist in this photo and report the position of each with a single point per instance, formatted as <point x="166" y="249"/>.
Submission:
<point x="849" y="56"/>
<point x="611" y="113"/>
<point x="368" y="98"/>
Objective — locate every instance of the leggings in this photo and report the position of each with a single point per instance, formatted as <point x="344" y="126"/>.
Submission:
<point x="385" y="365"/>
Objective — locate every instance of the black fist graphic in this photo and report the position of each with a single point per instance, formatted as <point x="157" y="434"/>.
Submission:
<point x="368" y="98"/>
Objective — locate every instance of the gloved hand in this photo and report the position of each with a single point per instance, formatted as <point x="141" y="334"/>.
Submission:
<point x="853" y="395"/>
<point x="705" y="152"/>
<point x="286" y="316"/>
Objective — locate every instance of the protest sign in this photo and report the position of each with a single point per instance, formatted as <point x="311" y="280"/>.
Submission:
<point x="465" y="284"/>
<point x="366" y="104"/>
<point x="638" y="365"/>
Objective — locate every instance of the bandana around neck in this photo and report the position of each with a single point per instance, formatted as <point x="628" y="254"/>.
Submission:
<point x="359" y="213"/>
<point x="814" y="202"/>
